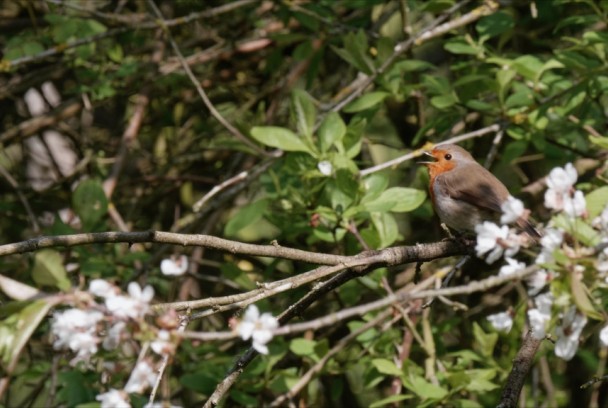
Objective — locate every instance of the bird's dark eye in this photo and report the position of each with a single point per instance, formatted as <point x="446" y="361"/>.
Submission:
<point x="448" y="156"/>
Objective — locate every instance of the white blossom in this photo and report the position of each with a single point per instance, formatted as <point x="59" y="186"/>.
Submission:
<point x="102" y="288"/>
<point x="512" y="210"/>
<point x="258" y="328"/>
<point x="569" y="333"/>
<point x="113" y="399"/>
<point x="601" y="262"/>
<point x="541" y="315"/>
<point x="162" y="344"/>
<point x="601" y="221"/>
<point x="495" y="241"/>
<point x="325" y="168"/>
<point x="551" y="240"/>
<point x="501" y="321"/>
<point x="511" y="267"/>
<point x="576" y="205"/>
<point x="537" y="281"/>
<point x="114" y="336"/>
<point x="76" y="329"/>
<point x="604" y="336"/>
<point x="174" y="265"/>
<point x="560" y="194"/>
<point x="562" y="179"/>
<point x="133" y="306"/>
<point x="142" y="377"/>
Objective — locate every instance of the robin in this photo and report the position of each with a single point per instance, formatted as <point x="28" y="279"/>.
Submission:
<point x="464" y="193"/>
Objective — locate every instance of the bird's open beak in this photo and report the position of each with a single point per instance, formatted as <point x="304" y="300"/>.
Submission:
<point x="426" y="163"/>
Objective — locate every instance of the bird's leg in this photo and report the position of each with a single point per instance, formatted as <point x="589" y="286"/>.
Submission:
<point x="447" y="230"/>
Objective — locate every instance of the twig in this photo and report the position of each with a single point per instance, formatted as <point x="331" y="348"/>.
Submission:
<point x="165" y="362"/>
<point x="521" y="365"/>
<point x="448" y="277"/>
<point x="338" y="280"/>
<point x="417" y="153"/>
<point x="242" y="176"/>
<point x="129" y="135"/>
<point x="7" y="176"/>
<point x="305" y="379"/>
<point x="61" y="48"/>
<point x="360" y="264"/>
<point x="172" y="238"/>
<point x="214" y="112"/>
<point x="7" y="65"/>
<point x="494" y="149"/>
<point x="432" y="31"/>
<point x="32" y="126"/>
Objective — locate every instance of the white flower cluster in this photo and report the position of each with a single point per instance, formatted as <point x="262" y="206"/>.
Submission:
<point x="78" y="330"/>
<point x="561" y="195"/>
<point x="495" y="242"/>
<point x="81" y="332"/>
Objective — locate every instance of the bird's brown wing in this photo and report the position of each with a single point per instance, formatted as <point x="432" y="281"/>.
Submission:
<point x="482" y="190"/>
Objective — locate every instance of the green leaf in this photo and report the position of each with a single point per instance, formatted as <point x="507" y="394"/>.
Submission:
<point x="357" y="52"/>
<point x="597" y="201"/>
<point x="412" y="65"/>
<point x="304" y="111"/>
<point x="302" y="347"/>
<point x="16" y="330"/>
<point x="581" y="297"/>
<point x="504" y="78"/>
<point x="425" y="389"/>
<point x="18" y="47"/>
<point x="480" y="380"/>
<point x="90" y="203"/>
<point x="444" y="101"/>
<point x="367" y="101"/>
<point x="243" y="399"/>
<point x="387" y="367"/>
<point x="460" y="46"/>
<point x="390" y="400"/>
<point x="203" y="381"/>
<point x="397" y="199"/>
<point x="521" y="98"/>
<point x="246" y="216"/>
<point x="354" y="135"/>
<point x="547" y="66"/>
<point x="75" y="388"/>
<point x="332" y="130"/>
<point x="599" y="141"/>
<point x="528" y="66"/>
<point x="484" y="342"/>
<point x="280" y="138"/>
<point x="495" y="24"/>
<point x="480" y="106"/>
<point x="375" y="185"/>
<point x="48" y="270"/>
<point x="578" y="228"/>
<point x="386" y="226"/>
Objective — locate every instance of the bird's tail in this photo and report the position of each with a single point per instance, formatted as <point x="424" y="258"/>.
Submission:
<point x="529" y="228"/>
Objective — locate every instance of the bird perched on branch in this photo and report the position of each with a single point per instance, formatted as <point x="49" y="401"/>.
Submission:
<point x="464" y="193"/>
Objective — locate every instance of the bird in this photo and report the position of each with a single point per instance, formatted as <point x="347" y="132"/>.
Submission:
<point x="464" y="193"/>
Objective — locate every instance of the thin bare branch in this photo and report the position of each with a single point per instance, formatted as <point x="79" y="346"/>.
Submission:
<point x="33" y="125"/>
<point x="171" y="238"/>
<point x="214" y="112"/>
<point x="417" y="153"/>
